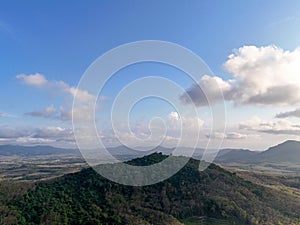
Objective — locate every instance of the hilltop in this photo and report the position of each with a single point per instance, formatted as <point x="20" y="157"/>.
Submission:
<point x="189" y="197"/>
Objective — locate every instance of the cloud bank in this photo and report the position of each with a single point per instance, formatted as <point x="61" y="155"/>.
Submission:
<point x="86" y="100"/>
<point x="47" y="112"/>
<point x="261" y="76"/>
<point x="228" y="135"/>
<point x="33" y="136"/>
<point x="293" y="113"/>
<point x="282" y="126"/>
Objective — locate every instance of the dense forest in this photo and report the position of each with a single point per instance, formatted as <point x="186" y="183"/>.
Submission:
<point x="189" y="197"/>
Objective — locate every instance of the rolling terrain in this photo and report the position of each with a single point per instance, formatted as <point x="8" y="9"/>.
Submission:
<point x="214" y="196"/>
<point x="42" y="162"/>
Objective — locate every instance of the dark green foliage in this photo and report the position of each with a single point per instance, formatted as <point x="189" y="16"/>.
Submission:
<point x="88" y="198"/>
<point x="10" y="191"/>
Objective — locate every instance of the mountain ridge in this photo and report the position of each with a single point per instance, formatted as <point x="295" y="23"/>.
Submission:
<point x="287" y="152"/>
<point x="87" y="198"/>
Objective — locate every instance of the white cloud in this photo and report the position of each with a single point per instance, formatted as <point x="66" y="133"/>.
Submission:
<point x="81" y="95"/>
<point x="235" y="135"/>
<point x="177" y="122"/>
<point x="158" y="131"/>
<point x="208" y="89"/>
<point x="216" y="135"/>
<point x="262" y="76"/>
<point x="173" y="116"/>
<point x="47" y="112"/>
<point x="36" y="80"/>
<point x="279" y="126"/>
<point x="229" y="135"/>
<point x="13" y="132"/>
<point x="43" y="135"/>
<point x="32" y="141"/>
<point x="85" y="100"/>
<point x="266" y="75"/>
<point x="65" y="114"/>
<point x="82" y="112"/>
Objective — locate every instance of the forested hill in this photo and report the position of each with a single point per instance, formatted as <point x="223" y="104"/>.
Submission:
<point x="87" y="198"/>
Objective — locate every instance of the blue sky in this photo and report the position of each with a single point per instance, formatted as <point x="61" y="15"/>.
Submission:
<point x="60" y="39"/>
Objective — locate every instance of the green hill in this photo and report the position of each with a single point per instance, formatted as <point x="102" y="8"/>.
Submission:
<point x="214" y="196"/>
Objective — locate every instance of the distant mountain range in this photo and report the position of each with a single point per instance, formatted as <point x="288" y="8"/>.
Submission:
<point x="30" y="151"/>
<point x="287" y="152"/>
<point x="120" y="152"/>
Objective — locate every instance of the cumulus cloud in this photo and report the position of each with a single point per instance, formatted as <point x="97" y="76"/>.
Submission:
<point x="280" y="126"/>
<point x="12" y="132"/>
<point x="170" y="130"/>
<point x="293" y="113"/>
<point x="174" y="116"/>
<point x="19" y="135"/>
<point x="265" y="75"/>
<point x="47" y="112"/>
<point x="39" y="80"/>
<point x="36" y="80"/>
<point x="177" y="122"/>
<point x="209" y="88"/>
<point x="65" y="114"/>
<point x="262" y="76"/>
<point x="53" y="133"/>
<point x="229" y="135"/>
<point x="84" y="99"/>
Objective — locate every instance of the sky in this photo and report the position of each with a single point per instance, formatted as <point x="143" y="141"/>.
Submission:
<point x="251" y="47"/>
